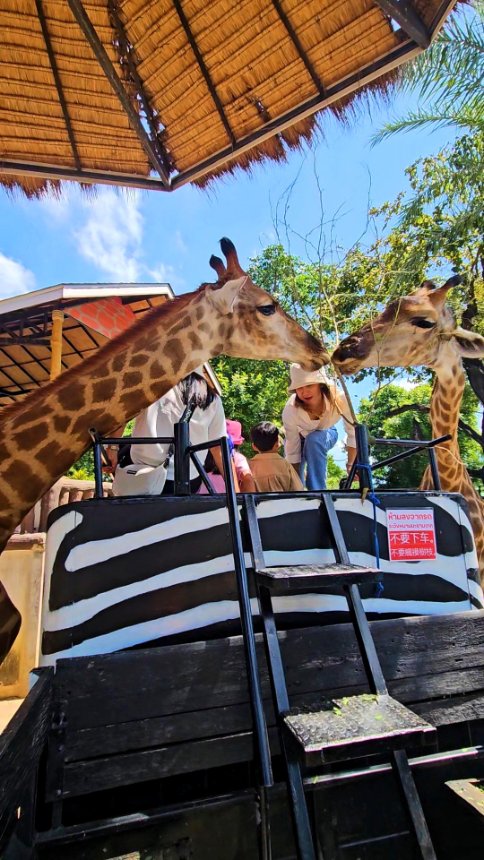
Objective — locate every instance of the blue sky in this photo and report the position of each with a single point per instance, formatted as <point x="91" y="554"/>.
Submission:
<point x="112" y="235"/>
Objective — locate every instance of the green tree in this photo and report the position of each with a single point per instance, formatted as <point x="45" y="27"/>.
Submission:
<point x="448" y="77"/>
<point x="399" y="413"/>
<point x="83" y="469"/>
<point x="252" y="391"/>
<point x="324" y="297"/>
<point x="334" y="474"/>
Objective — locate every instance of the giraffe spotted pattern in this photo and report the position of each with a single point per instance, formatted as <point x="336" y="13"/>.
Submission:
<point x="43" y="435"/>
<point x="420" y="329"/>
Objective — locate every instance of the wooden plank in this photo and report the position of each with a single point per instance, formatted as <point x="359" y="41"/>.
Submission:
<point x="426" y="687"/>
<point x="471" y="792"/>
<point x="406" y="15"/>
<point x="161" y="731"/>
<point x="23" y="741"/>
<point x="111" y="772"/>
<point x="190" y="709"/>
<point x="203" y="830"/>
<point x="459" y="709"/>
<point x="165" y="680"/>
<point x="215" y="722"/>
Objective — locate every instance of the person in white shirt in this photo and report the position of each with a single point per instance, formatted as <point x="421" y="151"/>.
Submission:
<point x="316" y="404"/>
<point x="206" y="424"/>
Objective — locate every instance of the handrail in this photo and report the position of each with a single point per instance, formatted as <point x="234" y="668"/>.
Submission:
<point x="182" y="487"/>
<point x="363" y="457"/>
<point x="410" y="443"/>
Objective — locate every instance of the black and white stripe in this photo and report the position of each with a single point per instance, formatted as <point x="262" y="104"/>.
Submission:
<point x="127" y="572"/>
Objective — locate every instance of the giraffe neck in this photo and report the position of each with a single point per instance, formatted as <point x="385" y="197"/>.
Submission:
<point x="44" y="434"/>
<point x="454" y="477"/>
<point x="445" y="404"/>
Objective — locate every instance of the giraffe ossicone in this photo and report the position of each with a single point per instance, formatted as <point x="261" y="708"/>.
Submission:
<point x="420" y="329"/>
<point x="44" y="434"/>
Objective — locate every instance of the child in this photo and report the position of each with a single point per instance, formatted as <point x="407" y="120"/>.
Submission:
<point x="271" y="473"/>
<point x="242" y="468"/>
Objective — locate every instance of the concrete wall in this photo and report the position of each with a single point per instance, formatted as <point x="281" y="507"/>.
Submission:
<point x="22" y="574"/>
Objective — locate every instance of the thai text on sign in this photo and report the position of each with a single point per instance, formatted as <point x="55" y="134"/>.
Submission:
<point x="411" y="535"/>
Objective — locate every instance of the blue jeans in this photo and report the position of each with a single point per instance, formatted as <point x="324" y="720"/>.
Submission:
<point x="314" y="448"/>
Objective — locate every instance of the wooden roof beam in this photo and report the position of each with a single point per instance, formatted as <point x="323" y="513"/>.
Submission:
<point x="211" y="87"/>
<point x="90" y="177"/>
<point x="58" y="82"/>
<point x="5" y="393"/>
<point x="8" y="376"/>
<point x="20" y="367"/>
<point x="18" y="340"/>
<point x="126" y="52"/>
<point x="35" y="328"/>
<point x="35" y="360"/>
<point x="298" y="46"/>
<point x="405" y="14"/>
<point x="148" y="145"/>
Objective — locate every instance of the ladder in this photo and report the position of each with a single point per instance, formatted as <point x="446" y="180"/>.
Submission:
<point x="361" y="725"/>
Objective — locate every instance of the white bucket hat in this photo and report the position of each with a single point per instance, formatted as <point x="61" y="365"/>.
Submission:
<point x="301" y="377"/>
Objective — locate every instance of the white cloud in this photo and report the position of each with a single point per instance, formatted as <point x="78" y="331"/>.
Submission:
<point x="14" y="278"/>
<point x="166" y="274"/>
<point x="112" y="234"/>
<point x="111" y="237"/>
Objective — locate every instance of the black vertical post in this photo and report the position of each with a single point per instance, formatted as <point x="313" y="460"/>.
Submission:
<point x="182" y="458"/>
<point x="363" y="455"/>
<point x="434" y="469"/>
<point x="248" y="635"/>
<point x="98" y="469"/>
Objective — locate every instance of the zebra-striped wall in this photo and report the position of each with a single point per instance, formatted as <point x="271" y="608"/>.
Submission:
<point x="127" y="572"/>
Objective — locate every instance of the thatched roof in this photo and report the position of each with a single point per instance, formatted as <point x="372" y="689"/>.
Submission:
<point x="157" y="93"/>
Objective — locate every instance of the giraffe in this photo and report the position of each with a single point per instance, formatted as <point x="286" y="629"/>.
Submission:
<point x="48" y="431"/>
<point x="420" y="329"/>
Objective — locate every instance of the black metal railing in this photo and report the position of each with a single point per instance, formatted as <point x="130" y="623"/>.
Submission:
<point x="365" y="468"/>
<point x="184" y="452"/>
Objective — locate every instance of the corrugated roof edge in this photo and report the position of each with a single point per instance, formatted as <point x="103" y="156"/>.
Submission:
<point x="36" y="298"/>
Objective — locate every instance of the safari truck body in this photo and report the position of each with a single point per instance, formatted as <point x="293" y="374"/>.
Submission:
<point x="136" y="738"/>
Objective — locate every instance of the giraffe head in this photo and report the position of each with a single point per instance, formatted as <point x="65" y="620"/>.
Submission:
<point x="251" y="323"/>
<point x="418" y="329"/>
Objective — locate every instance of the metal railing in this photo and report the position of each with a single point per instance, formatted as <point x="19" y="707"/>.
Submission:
<point x="183" y="453"/>
<point x="365" y="469"/>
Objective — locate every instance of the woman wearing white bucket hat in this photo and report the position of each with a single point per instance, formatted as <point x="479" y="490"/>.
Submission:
<point x="316" y="404"/>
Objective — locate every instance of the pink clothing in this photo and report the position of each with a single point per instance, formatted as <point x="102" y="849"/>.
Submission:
<point x="241" y="463"/>
<point x="217" y="483"/>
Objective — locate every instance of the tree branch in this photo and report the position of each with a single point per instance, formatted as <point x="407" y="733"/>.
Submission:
<point x="419" y="407"/>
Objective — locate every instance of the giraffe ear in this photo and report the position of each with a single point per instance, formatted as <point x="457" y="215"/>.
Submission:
<point x="469" y="343"/>
<point x="224" y="297"/>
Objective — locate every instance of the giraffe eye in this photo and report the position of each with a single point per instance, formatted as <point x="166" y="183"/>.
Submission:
<point x="266" y="310"/>
<point x="421" y="322"/>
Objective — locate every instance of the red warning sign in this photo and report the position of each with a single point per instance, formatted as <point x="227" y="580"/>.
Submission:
<point x="411" y="535"/>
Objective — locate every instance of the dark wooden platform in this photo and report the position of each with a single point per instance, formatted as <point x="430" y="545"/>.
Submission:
<point x="153" y="748"/>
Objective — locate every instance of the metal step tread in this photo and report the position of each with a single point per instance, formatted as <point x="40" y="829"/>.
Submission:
<point x="356" y="725"/>
<point x="301" y="576"/>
